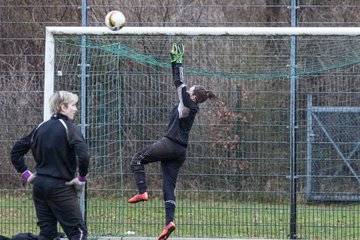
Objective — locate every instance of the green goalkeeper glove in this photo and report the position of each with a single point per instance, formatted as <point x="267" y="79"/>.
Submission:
<point x="176" y="53"/>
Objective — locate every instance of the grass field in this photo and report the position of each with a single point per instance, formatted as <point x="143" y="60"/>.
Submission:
<point x="231" y="219"/>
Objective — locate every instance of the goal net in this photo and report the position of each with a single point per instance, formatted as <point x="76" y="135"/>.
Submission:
<point x="239" y="153"/>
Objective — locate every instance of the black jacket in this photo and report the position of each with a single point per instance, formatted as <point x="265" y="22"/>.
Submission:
<point x="183" y="114"/>
<point x="58" y="149"/>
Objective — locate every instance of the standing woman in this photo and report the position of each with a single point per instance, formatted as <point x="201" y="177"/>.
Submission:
<point x="170" y="150"/>
<point x="59" y="150"/>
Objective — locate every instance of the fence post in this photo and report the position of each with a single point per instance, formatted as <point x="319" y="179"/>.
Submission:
<point x="293" y="123"/>
<point x="84" y="23"/>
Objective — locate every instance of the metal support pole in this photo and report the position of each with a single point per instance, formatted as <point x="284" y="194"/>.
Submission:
<point x="293" y="123"/>
<point x="84" y="23"/>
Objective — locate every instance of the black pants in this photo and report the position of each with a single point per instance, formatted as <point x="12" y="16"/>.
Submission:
<point x="172" y="156"/>
<point x="56" y="202"/>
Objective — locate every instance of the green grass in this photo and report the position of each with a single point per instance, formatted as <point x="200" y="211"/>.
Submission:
<point x="216" y="219"/>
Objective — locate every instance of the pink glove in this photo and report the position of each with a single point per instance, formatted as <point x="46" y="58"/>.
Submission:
<point x="28" y="176"/>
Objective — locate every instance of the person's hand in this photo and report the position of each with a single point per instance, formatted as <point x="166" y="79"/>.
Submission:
<point x="78" y="183"/>
<point x="28" y="176"/>
<point x="176" y="53"/>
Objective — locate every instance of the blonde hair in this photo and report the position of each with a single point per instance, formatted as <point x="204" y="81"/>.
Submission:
<point x="59" y="98"/>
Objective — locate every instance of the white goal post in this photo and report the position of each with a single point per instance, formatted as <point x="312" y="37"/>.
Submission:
<point x="174" y="31"/>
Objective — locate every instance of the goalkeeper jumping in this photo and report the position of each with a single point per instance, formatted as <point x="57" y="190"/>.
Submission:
<point x="170" y="150"/>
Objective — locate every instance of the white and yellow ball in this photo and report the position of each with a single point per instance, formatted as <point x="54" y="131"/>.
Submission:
<point x="115" y="20"/>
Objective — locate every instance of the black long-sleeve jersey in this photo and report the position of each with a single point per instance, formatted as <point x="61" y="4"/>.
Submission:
<point x="183" y="114"/>
<point x="58" y="147"/>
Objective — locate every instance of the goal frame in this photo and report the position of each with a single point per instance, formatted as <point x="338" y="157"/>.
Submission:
<point x="291" y="32"/>
<point x="173" y="31"/>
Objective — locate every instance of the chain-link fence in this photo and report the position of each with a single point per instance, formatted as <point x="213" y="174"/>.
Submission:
<point x="235" y="184"/>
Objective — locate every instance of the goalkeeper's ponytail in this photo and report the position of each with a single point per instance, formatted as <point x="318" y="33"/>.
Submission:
<point x="203" y="94"/>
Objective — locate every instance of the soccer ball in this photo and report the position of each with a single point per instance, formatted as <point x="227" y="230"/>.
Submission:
<point x="115" y="20"/>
